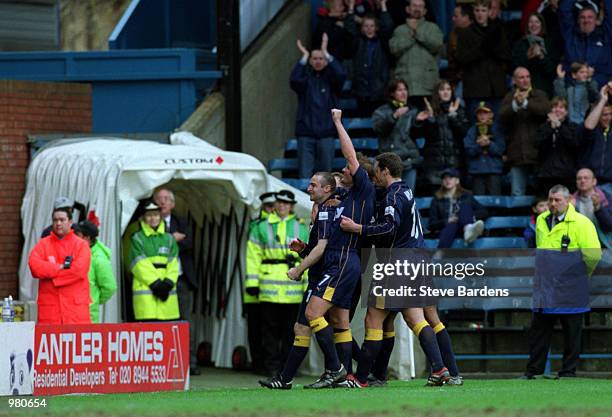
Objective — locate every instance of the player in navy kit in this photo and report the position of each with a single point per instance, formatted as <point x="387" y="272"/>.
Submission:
<point x="398" y="226"/>
<point x="341" y="266"/>
<point x="322" y="188"/>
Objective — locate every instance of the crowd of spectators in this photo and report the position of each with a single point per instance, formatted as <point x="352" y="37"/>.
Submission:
<point x="526" y="102"/>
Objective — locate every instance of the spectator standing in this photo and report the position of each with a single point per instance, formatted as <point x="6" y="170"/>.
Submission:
<point x="317" y="79"/>
<point x="596" y="135"/>
<point x="537" y="53"/>
<point x="484" y="147"/>
<point x="454" y="212"/>
<point x="563" y="274"/>
<point x="594" y="203"/>
<point x="483" y="53"/>
<point x="392" y="123"/>
<point x="463" y="17"/>
<point x="522" y="112"/>
<point x="580" y="91"/>
<point x="102" y="281"/>
<point x="443" y="132"/>
<point x="585" y="41"/>
<point x="61" y="262"/>
<point x="417" y="46"/>
<point x="187" y="284"/>
<point x="331" y="23"/>
<point x="558" y="146"/>
<point x="370" y="57"/>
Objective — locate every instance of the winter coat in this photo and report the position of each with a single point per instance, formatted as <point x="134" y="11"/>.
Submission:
<point x="558" y="149"/>
<point x="339" y="45"/>
<point x="443" y="143"/>
<point x="521" y="127"/>
<point x="485" y="160"/>
<point x="542" y="71"/>
<point x="439" y="209"/>
<point x="370" y="77"/>
<point x="577" y="106"/>
<point x="596" y="152"/>
<point x="417" y="56"/>
<point x="63" y="294"/>
<point x="483" y="54"/>
<point x="603" y="216"/>
<point x="318" y="93"/>
<point x="102" y="281"/>
<point x="394" y="134"/>
<point x="594" y="48"/>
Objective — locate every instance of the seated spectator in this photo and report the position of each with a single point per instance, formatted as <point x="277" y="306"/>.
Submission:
<point x="521" y="114"/>
<point x="594" y="203"/>
<point x="454" y="211"/>
<point x="596" y="135"/>
<point x="580" y="92"/>
<point x="484" y="147"/>
<point x="417" y="46"/>
<point x="330" y="22"/>
<point x="463" y="17"/>
<point x="392" y="123"/>
<point x="370" y="58"/>
<point x="584" y="40"/>
<point x="558" y="147"/>
<point x="537" y="53"/>
<point x="484" y="55"/>
<point x="539" y="206"/>
<point x="443" y="132"/>
<point x="317" y="79"/>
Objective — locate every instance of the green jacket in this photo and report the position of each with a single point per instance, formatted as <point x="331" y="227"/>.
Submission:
<point x="153" y="255"/>
<point x="417" y="56"/>
<point x="102" y="282"/>
<point x="267" y="252"/>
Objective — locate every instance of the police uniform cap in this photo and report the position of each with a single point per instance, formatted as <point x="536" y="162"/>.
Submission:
<point x="285" y="196"/>
<point x="267" y="198"/>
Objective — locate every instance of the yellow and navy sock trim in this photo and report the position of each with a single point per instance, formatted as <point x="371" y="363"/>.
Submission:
<point x="374" y="334"/>
<point x="343" y="336"/>
<point x="318" y="324"/>
<point x="419" y="327"/>
<point x="438" y="328"/>
<point x="301" y="341"/>
<point x="388" y="335"/>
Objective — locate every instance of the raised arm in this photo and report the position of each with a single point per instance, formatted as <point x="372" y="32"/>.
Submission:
<point x="348" y="150"/>
<point x="593" y="118"/>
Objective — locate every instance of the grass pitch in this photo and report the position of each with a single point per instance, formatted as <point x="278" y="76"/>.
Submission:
<point x="225" y="393"/>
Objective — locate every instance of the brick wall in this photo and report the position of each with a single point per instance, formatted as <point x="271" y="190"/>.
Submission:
<point x="30" y="108"/>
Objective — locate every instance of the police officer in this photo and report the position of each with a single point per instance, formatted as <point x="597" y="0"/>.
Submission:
<point x="153" y="260"/>
<point x="250" y="295"/>
<point x="568" y="251"/>
<point x="268" y="260"/>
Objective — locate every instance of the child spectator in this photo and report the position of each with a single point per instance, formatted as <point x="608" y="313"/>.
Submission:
<point x="539" y="206"/>
<point x="454" y="210"/>
<point x="580" y="92"/>
<point x="392" y="123"/>
<point x="444" y="132"/>
<point x="557" y="147"/>
<point x="370" y="58"/>
<point x="484" y="147"/>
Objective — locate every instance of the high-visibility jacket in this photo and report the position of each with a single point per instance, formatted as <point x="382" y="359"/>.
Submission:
<point x="246" y="297"/>
<point x="153" y="255"/>
<point x="269" y="259"/>
<point x="63" y="294"/>
<point x="564" y="275"/>
<point x="102" y="282"/>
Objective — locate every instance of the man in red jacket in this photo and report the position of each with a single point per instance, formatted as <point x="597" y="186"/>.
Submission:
<point x="61" y="262"/>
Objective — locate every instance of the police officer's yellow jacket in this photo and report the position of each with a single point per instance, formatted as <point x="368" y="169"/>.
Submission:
<point x="153" y="255"/>
<point x="269" y="259"/>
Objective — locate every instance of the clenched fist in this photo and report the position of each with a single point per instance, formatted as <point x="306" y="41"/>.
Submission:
<point x="336" y="115"/>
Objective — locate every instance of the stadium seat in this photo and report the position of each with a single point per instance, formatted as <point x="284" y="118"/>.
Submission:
<point x="360" y="144"/>
<point x="348" y="104"/>
<point x="423" y="202"/>
<point x="507" y="222"/>
<point x="291" y="164"/>
<point x="357" y="123"/>
<point x="483" y="243"/>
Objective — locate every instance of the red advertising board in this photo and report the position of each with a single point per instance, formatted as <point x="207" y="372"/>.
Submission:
<point x="105" y="358"/>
